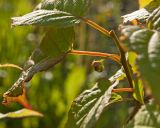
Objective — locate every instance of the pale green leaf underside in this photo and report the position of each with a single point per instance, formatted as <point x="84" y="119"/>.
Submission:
<point x="118" y="76"/>
<point x="21" y="113"/>
<point x="143" y="14"/>
<point x="140" y="15"/>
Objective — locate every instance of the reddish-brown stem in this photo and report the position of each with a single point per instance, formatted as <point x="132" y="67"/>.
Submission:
<point x="96" y="26"/>
<point x="124" y="62"/>
<point x="114" y="57"/>
<point x="117" y="42"/>
<point x="123" y="90"/>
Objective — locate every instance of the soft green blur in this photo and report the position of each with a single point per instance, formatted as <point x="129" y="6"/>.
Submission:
<point x="52" y="92"/>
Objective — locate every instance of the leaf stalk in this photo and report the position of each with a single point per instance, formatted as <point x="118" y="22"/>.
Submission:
<point x="114" y="57"/>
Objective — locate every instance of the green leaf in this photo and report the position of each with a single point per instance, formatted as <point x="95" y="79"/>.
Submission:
<point x="128" y="30"/>
<point x="119" y="75"/>
<point x="139" y="40"/>
<point x="21" y="113"/>
<point x="148" y="116"/>
<point x="75" y="7"/>
<point x="138" y="93"/>
<point x="57" y="13"/>
<point x="153" y="79"/>
<point x="54" y="18"/>
<point x="52" y="50"/>
<point x="154" y="19"/>
<point x="87" y="108"/>
<point x="154" y="50"/>
<point x="140" y="15"/>
<point x="16" y="93"/>
<point x="143" y="3"/>
<point x="57" y="41"/>
<point x="132" y="56"/>
<point x="146" y="44"/>
<point x="152" y="5"/>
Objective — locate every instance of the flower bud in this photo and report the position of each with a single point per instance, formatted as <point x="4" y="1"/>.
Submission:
<point x="98" y="65"/>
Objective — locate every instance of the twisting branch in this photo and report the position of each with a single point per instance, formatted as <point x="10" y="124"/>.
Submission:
<point x="117" y="42"/>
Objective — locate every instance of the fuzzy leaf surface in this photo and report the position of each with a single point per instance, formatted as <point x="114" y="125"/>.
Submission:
<point x="154" y="19"/>
<point x="88" y="107"/>
<point x="75" y="7"/>
<point x="148" y="116"/>
<point x="146" y="43"/>
<point x="53" y="18"/>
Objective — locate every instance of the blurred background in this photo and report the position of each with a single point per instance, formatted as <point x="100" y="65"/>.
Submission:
<point x="52" y="92"/>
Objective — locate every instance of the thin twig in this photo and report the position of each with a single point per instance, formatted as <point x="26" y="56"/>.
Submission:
<point x="123" y="90"/>
<point x="10" y="65"/>
<point x="114" y="57"/>
<point x="96" y="26"/>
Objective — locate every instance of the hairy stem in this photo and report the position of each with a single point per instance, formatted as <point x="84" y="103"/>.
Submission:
<point x="114" y="57"/>
<point x="96" y="26"/>
<point x="123" y="90"/>
<point x="124" y="62"/>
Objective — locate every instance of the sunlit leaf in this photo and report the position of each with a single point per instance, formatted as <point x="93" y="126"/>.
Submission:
<point x="46" y="17"/>
<point x="140" y="15"/>
<point x="152" y="5"/>
<point x="21" y="113"/>
<point x="138" y="88"/>
<point x="88" y="107"/>
<point x="132" y="56"/>
<point x="57" y="13"/>
<point x="154" y="19"/>
<point x="143" y="3"/>
<point x="138" y="91"/>
<point x="119" y="75"/>
<point x="76" y="7"/>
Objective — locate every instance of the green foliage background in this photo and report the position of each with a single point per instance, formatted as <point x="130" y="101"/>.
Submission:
<point x="52" y="92"/>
